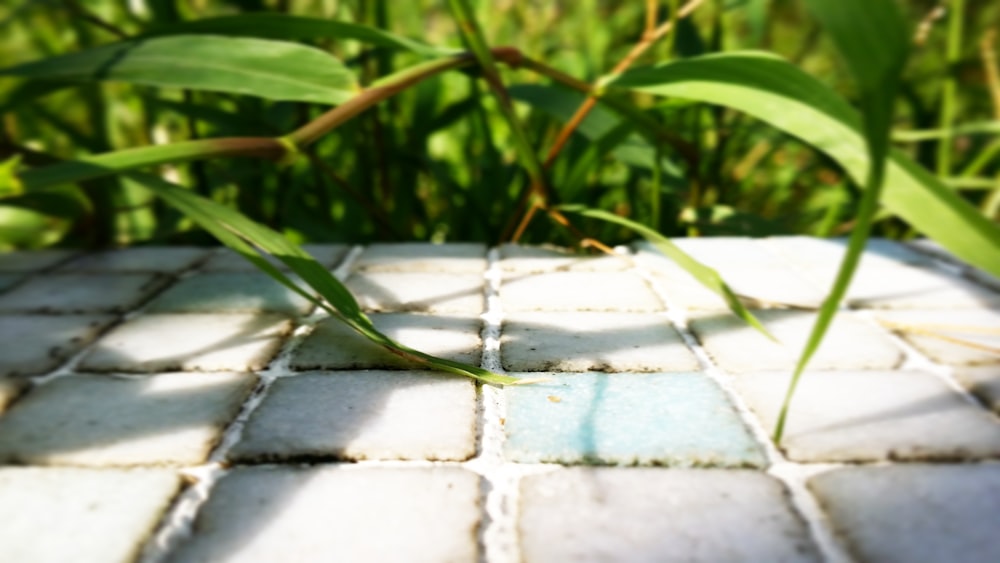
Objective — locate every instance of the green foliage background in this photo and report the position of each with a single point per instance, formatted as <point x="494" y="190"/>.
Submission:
<point x="437" y="162"/>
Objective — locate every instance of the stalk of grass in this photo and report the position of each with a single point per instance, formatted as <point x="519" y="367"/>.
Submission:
<point x="856" y="29"/>
<point x="953" y="54"/>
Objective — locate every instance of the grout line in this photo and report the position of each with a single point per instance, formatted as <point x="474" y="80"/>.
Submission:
<point x="501" y="480"/>
<point x="791" y="474"/>
<point x="177" y="523"/>
<point x="497" y="532"/>
<point x="915" y="360"/>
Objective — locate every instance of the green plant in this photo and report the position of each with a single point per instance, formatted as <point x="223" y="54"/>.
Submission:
<point x="420" y="143"/>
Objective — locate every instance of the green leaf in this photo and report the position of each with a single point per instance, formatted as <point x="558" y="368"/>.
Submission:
<point x="107" y="164"/>
<point x="873" y="39"/>
<point x="274" y="70"/>
<point x="705" y="275"/>
<point x="245" y="237"/>
<point x="874" y="42"/>
<point x="238" y="232"/>
<point x="775" y="91"/>
<point x="10" y="184"/>
<point x="289" y="27"/>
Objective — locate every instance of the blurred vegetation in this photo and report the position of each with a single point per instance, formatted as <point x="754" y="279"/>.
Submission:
<point x="437" y="161"/>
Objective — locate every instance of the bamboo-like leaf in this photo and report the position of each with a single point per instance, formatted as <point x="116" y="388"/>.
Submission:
<point x="116" y="162"/>
<point x="775" y="91"/>
<point x="275" y="70"/>
<point x="245" y="236"/>
<point x="873" y="40"/>
<point x="705" y="275"/>
<point x="291" y="28"/>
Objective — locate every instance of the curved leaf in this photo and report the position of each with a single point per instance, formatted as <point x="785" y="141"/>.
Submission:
<point x="289" y="27"/>
<point x="250" y="239"/>
<point x="873" y="40"/>
<point x="275" y="70"/>
<point x="706" y="276"/>
<point x="775" y="91"/>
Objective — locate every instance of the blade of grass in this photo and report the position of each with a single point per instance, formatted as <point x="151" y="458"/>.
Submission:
<point x="705" y="275"/>
<point x="873" y="40"/>
<point x="276" y="70"/>
<point x="96" y="166"/>
<point x="245" y="237"/>
<point x="291" y="27"/>
<point x="776" y="92"/>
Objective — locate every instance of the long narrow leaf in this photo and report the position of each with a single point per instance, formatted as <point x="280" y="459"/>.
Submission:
<point x="275" y="70"/>
<point x="775" y="91"/>
<point x="705" y="275"/>
<point x="873" y="40"/>
<point x="107" y="164"/>
<point x="229" y="226"/>
<point x="245" y="237"/>
<point x="289" y="27"/>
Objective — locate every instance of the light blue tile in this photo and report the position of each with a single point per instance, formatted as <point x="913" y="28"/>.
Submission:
<point x="676" y="419"/>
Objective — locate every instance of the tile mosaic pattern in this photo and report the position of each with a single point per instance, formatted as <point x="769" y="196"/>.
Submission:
<point x="103" y="421"/>
<point x="647" y="515"/>
<point x="341" y="512"/>
<point x="196" y="402"/>
<point x="357" y="415"/>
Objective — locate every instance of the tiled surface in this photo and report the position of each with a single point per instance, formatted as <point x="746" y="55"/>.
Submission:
<point x="873" y="416"/>
<point x="265" y="433"/>
<point x="167" y="260"/>
<point x="230" y="292"/>
<point x="9" y="280"/>
<point x="915" y="513"/>
<point x="28" y="261"/>
<point x="677" y="419"/>
<point x="850" y="342"/>
<point x="437" y="292"/>
<point x="81" y="293"/>
<point x="35" y="344"/>
<point x="423" y="257"/>
<point x="102" y="421"/>
<point x="983" y="382"/>
<point x="74" y="514"/>
<point x="538" y="259"/>
<point x="593" y="341"/>
<point x="197" y="342"/>
<point x="343" y="513"/>
<point x="359" y="415"/>
<point x="578" y="291"/>
<point x="225" y="260"/>
<point x="954" y="337"/>
<point x="647" y="515"/>
<point x="333" y="345"/>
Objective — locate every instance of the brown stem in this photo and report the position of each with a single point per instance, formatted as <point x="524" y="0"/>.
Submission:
<point x="649" y="38"/>
<point x="991" y="68"/>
